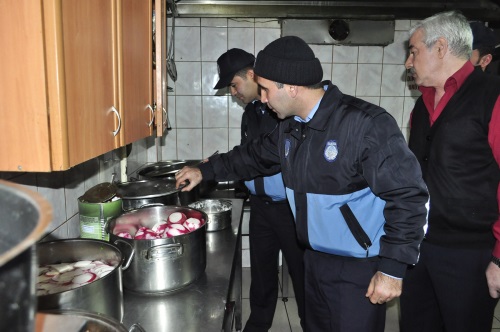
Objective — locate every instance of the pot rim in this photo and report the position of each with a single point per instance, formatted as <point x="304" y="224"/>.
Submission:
<point x="44" y="210"/>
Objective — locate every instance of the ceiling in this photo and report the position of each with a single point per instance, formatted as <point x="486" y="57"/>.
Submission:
<point x="485" y="10"/>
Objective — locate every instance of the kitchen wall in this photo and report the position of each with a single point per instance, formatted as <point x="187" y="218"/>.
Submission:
<point x="204" y="120"/>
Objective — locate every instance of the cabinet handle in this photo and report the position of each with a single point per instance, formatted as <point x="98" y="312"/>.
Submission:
<point x="114" y="110"/>
<point x="152" y="115"/>
<point x="164" y="117"/>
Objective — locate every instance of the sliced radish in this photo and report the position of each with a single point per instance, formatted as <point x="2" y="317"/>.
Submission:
<point x="82" y="264"/>
<point x="177" y="218"/>
<point x="124" y="235"/>
<point x="85" y="278"/>
<point x="61" y="268"/>
<point x="192" y="224"/>
<point x="176" y="229"/>
<point x="146" y="234"/>
<point x="159" y="228"/>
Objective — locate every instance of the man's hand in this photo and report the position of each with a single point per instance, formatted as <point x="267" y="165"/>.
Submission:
<point x="383" y="288"/>
<point x="190" y="174"/>
<point x="493" y="279"/>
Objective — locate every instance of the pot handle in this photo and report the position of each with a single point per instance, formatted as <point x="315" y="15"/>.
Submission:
<point x="165" y="250"/>
<point x="129" y="259"/>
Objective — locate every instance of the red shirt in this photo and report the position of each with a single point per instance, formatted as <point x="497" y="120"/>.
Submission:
<point x="452" y="84"/>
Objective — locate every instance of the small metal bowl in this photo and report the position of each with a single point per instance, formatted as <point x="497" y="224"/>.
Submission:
<point x="218" y="212"/>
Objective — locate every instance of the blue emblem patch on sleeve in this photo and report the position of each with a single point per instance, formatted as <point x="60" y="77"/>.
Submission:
<point x="331" y="151"/>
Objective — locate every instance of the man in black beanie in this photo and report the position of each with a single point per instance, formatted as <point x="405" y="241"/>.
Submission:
<point x="355" y="189"/>
<point x="484" y="45"/>
<point x="271" y="221"/>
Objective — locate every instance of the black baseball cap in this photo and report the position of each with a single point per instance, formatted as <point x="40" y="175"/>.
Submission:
<point x="483" y="37"/>
<point x="230" y="63"/>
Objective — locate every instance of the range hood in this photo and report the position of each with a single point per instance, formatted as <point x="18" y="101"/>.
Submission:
<point x="485" y="10"/>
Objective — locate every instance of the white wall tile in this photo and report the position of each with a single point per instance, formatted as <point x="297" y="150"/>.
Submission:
<point x="169" y="145"/>
<point x="409" y="103"/>
<point x="209" y="77"/>
<point x="187" y="44"/>
<point x="327" y="71"/>
<point x="213" y="43"/>
<point x="73" y="227"/>
<point x="393" y="80"/>
<point x="189" y="143"/>
<point x="215" y="139"/>
<point x="397" y="52"/>
<point x="267" y="23"/>
<point x="243" y="38"/>
<point x="189" y="78"/>
<point x="263" y="36"/>
<point x="51" y="187"/>
<point x="215" y="112"/>
<point x="185" y="22"/>
<point x="236" y="109"/>
<point x="394" y="105"/>
<point x="324" y="53"/>
<point x="189" y="111"/>
<point x="214" y="22"/>
<point x="241" y="22"/>
<point x="403" y="25"/>
<point x="74" y="187"/>
<point x="344" y="76"/>
<point x="171" y="110"/>
<point x="369" y="79"/>
<point x="370" y="54"/>
<point x="234" y="138"/>
<point x="345" y="54"/>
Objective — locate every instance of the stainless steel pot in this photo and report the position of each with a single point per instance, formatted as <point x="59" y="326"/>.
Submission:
<point x="139" y="194"/>
<point x="218" y="212"/>
<point x="78" y="320"/>
<point x="160" y="265"/>
<point x="104" y="295"/>
<point x="25" y="216"/>
<point x="167" y="170"/>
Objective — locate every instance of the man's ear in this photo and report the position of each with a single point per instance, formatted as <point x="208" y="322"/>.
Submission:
<point x="442" y="47"/>
<point x="485" y="60"/>
<point x="251" y="74"/>
<point x="292" y="90"/>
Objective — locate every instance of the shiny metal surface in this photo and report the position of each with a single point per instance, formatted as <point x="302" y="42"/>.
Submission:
<point x="104" y="295"/>
<point x="218" y="212"/>
<point x="201" y="306"/>
<point x="160" y="265"/>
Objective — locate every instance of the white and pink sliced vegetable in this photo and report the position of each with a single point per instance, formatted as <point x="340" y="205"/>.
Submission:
<point x="192" y="224"/>
<point x="177" y="218"/>
<point x="56" y="278"/>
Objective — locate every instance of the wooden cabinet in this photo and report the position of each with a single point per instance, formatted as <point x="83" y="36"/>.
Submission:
<point x="75" y="80"/>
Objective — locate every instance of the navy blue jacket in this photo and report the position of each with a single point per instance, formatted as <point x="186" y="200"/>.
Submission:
<point x="354" y="186"/>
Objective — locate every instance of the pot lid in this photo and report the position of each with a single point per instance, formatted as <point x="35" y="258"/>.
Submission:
<point x="145" y="188"/>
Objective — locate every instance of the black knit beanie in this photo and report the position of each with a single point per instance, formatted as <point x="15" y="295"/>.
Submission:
<point x="289" y="60"/>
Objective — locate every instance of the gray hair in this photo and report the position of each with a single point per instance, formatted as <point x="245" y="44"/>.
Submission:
<point x="452" y="26"/>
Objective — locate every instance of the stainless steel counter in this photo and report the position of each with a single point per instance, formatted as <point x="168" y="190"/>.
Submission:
<point x="211" y="303"/>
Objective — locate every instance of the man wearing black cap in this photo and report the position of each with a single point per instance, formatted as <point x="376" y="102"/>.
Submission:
<point x="355" y="189"/>
<point x="484" y="43"/>
<point x="271" y="221"/>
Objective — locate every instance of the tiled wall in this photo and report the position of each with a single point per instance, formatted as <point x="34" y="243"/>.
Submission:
<point x="204" y="120"/>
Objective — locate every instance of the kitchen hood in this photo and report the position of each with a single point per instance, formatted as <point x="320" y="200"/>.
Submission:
<point x="484" y="10"/>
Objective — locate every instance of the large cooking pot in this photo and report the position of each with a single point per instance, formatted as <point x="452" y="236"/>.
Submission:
<point x="167" y="170"/>
<point x="160" y="265"/>
<point x="25" y="216"/>
<point x="138" y="194"/>
<point x="105" y="295"/>
<point x="79" y="320"/>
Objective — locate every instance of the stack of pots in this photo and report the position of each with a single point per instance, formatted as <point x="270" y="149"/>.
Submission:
<point x="159" y="265"/>
<point x="144" y="193"/>
<point x="25" y="218"/>
<point x="167" y="169"/>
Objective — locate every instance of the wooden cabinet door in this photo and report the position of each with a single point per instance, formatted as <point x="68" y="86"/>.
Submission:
<point x="24" y="123"/>
<point x="136" y="69"/>
<point x="89" y="35"/>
